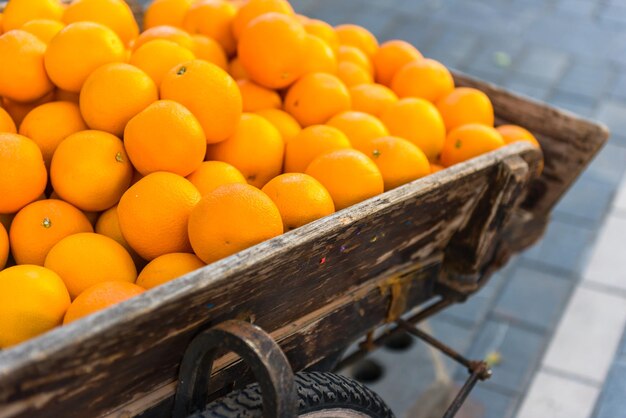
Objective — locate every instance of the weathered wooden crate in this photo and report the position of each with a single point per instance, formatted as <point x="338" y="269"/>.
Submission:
<point x="319" y="287"/>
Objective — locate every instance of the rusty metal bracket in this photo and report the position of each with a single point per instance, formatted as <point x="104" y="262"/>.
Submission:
<point x="267" y="361"/>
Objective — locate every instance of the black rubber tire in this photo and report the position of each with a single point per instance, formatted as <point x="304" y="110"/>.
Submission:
<point x="316" y="392"/>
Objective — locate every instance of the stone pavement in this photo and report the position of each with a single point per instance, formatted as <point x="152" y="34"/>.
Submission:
<point x="572" y="54"/>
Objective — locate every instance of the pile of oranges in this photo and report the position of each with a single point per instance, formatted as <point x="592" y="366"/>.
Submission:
<point x="129" y="158"/>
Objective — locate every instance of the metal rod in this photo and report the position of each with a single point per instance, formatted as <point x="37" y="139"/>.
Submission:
<point x="462" y="395"/>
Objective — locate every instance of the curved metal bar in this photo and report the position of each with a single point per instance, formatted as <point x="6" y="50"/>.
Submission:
<point x="256" y="348"/>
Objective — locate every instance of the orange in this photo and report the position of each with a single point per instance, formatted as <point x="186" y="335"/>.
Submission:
<point x="349" y="176"/>
<point x="75" y="52"/>
<point x="317" y="97"/>
<point x="465" y="105"/>
<point x="23" y="77"/>
<point x="44" y="29"/>
<point x="283" y="121"/>
<point x="398" y="160"/>
<point x="214" y="19"/>
<point x="113" y="94"/>
<point x="209" y="93"/>
<point x="357" y="36"/>
<point x="212" y="174"/>
<point x="85" y="259"/>
<point x="6" y="123"/>
<point x="18" y="110"/>
<point x="115" y="14"/>
<point x="355" y="55"/>
<point x="4" y="246"/>
<point x="166" y="32"/>
<point x="21" y="11"/>
<point x="236" y="70"/>
<point x="209" y="50"/>
<point x="352" y="74"/>
<point x="153" y="214"/>
<point x="100" y="296"/>
<point x="256" y="149"/>
<point x="256" y="97"/>
<point x="23" y="174"/>
<point x="166" y="12"/>
<point x="300" y="199"/>
<point x="255" y="8"/>
<point x="33" y="300"/>
<point x="390" y="57"/>
<point x="424" y="78"/>
<point x="323" y="31"/>
<point x="359" y="127"/>
<point x="372" y="98"/>
<point x="311" y="142"/>
<point x="434" y="168"/>
<point x="319" y="57"/>
<point x="90" y="169"/>
<point x="38" y="226"/>
<point x="418" y="121"/>
<point x="108" y="224"/>
<point x="165" y="136"/>
<point x="51" y="123"/>
<point x="158" y="56"/>
<point x="272" y="50"/>
<point x="167" y="267"/>
<point x="514" y="133"/>
<point x="232" y="218"/>
<point x="469" y="141"/>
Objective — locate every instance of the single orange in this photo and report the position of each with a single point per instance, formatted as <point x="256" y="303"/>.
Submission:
<point x="390" y="57"/>
<point x="319" y="57"/>
<point x="19" y="110"/>
<point x="213" y="18"/>
<point x="256" y="149"/>
<point x="300" y="199"/>
<point x="77" y="50"/>
<point x="398" y="160"/>
<point x="38" y="226"/>
<point x="465" y="105"/>
<point x="44" y="29"/>
<point x="355" y="55"/>
<point x="51" y="123"/>
<point x="286" y="124"/>
<point x="349" y="176"/>
<point x="212" y="174"/>
<point x="166" y="32"/>
<point x="21" y="11"/>
<point x="209" y="50"/>
<point x="514" y="133"/>
<point x="255" y="8"/>
<point x="115" y="14"/>
<point x="23" y="174"/>
<point x="90" y="169"/>
<point x="166" y="12"/>
<point x="272" y="50"/>
<point x="22" y="74"/>
<point x="6" y="123"/>
<point x="100" y="296"/>
<point x="209" y="93"/>
<point x="4" y="246"/>
<point x="359" y="127"/>
<point x="85" y="259"/>
<point x="352" y="74"/>
<point x="317" y="97"/>
<point x="236" y="70"/>
<point x="469" y="141"/>
<point x="167" y="267"/>
<point x="108" y="224"/>
<point x="113" y="94"/>
<point x="158" y="56"/>
<point x="424" y="78"/>
<point x="33" y="300"/>
<point x="212" y="222"/>
<point x="165" y="136"/>
<point x="357" y="36"/>
<point x="310" y="143"/>
<point x="153" y="214"/>
<point x="323" y="31"/>
<point x="434" y="168"/>
<point x="418" y="121"/>
<point x="256" y="97"/>
<point x="372" y="98"/>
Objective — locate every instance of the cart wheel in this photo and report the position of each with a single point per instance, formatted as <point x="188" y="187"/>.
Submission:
<point x="320" y="395"/>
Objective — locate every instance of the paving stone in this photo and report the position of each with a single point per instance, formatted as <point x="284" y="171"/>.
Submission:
<point x="613" y="114"/>
<point x="520" y="351"/>
<point x="573" y="102"/>
<point x="374" y="18"/>
<point x="611" y="402"/>
<point x="488" y="403"/>
<point x="587" y="200"/>
<point x="534" y="298"/>
<point x="419" y="32"/>
<point x="542" y="63"/>
<point x="453" y="47"/>
<point x="606" y="265"/>
<point x="486" y="59"/>
<point x="613" y="15"/>
<point x="608" y="165"/>
<point x="587" y="78"/>
<point x="618" y="90"/>
<point x="620" y="199"/>
<point x="578" y="8"/>
<point x="534" y="89"/>
<point x="333" y="12"/>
